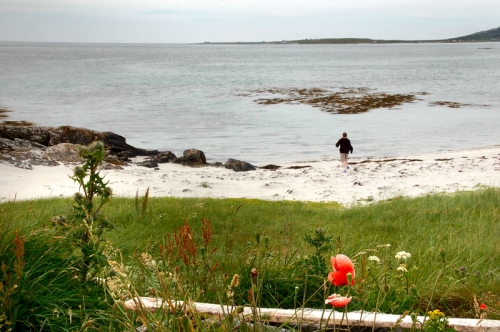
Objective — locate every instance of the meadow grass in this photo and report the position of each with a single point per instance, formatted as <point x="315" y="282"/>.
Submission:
<point x="453" y="241"/>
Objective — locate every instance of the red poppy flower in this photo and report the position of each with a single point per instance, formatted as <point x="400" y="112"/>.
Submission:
<point x="342" y="265"/>
<point x="483" y="306"/>
<point x="338" y="301"/>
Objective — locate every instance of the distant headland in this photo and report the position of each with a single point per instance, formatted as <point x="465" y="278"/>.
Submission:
<point x="492" y="35"/>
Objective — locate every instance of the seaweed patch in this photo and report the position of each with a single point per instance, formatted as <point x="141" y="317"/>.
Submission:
<point x="453" y="104"/>
<point x="337" y="101"/>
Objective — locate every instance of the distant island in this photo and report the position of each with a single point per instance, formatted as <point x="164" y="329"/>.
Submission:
<point x="492" y="35"/>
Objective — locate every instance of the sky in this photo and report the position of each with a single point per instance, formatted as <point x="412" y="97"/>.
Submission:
<point x="197" y="21"/>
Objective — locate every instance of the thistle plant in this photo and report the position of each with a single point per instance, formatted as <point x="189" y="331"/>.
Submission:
<point x="86" y="226"/>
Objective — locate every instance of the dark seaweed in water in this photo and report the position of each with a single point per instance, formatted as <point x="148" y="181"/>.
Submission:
<point x="337" y="101"/>
<point x="12" y="123"/>
<point x="2" y="111"/>
<point x="454" y="104"/>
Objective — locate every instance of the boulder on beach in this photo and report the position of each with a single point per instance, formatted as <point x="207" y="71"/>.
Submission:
<point x="193" y="157"/>
<point x="164" y="157"/>
<point x="239" y="166"/>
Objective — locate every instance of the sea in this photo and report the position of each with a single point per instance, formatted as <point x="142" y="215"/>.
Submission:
<point x="173" y="97"/>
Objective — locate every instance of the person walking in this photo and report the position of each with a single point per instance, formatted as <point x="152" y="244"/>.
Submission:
<point x="345" y="148"/>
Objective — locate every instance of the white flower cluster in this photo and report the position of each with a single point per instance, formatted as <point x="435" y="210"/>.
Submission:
<point x="403" y="255"/>
<point x="374" y="259"/>
<point x="402" y="268"/>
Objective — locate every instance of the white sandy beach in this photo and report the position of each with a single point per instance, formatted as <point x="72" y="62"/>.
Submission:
<point x="367" y="179"/>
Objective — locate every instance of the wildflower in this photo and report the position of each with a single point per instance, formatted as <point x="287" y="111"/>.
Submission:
<point x="402" y="268"/>
<point x="403" y="255"/>
<point x="338" y="301"/>
<point x="254" y="273"/>
<point x="483" y="306"/>
<point x="235" y="282"/>
<point x="342" y="265"/>
<point x="374" y="259"/>
<point x="436" y="314"/>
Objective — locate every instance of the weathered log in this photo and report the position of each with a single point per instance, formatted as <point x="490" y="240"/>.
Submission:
<point x="327" y="318"/>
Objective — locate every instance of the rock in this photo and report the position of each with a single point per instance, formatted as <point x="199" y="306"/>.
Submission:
<point x="18" y="143"/>
<point x="164" y="157"/>
<point x="64" y="153"/>
<point x="24" y="154"/>
<point x="271" y="167"/>
<point x="67" y="134"/>
<point x="193" y="157"/>
<point x="148" y="164"/>
<point x="40" y="135"/>
<point x="111" y="159"/>
<point x="50" y="136"/>
<point x="239" y="166"/>
<point x="109" y="166"/>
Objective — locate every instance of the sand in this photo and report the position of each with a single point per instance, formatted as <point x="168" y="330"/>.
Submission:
<point x="367" y="180"/>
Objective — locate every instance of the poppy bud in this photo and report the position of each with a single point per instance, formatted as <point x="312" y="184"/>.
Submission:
<point x="349" y="278"/>
<point x="254" y="273"/>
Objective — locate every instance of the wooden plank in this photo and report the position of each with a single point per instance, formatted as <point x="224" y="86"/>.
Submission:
<point x="311" y="316"/>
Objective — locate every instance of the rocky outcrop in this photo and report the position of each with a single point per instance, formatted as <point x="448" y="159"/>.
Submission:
<point x="40" y="135"/>
<point x="24" y="154"/>
<point x="25" y="146"/>
<point x="238" y="165"/>
<point x="114" y="143"/>
<point x="51" y="136"/>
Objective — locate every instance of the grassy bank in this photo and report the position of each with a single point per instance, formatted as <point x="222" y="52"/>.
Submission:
<point x="191" y="248"/>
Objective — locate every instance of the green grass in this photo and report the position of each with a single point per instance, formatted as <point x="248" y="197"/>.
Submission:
<point x="269" y="236"/>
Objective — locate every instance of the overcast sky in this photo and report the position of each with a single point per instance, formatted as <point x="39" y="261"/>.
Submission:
<point x="194" y="21"/>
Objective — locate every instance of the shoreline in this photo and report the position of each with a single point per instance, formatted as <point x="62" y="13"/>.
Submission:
<point x="368" y="180"/>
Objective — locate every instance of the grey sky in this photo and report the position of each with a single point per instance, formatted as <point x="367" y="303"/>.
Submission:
<point x="194" y="21"/>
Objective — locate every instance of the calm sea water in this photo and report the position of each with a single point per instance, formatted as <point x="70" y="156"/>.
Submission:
<point x="176" y="97"/>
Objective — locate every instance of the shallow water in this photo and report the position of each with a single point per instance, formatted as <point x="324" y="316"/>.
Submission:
<point x="176" y="97"/>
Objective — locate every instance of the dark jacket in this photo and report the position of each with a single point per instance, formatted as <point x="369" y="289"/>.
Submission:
<point x="345" y="145"/>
